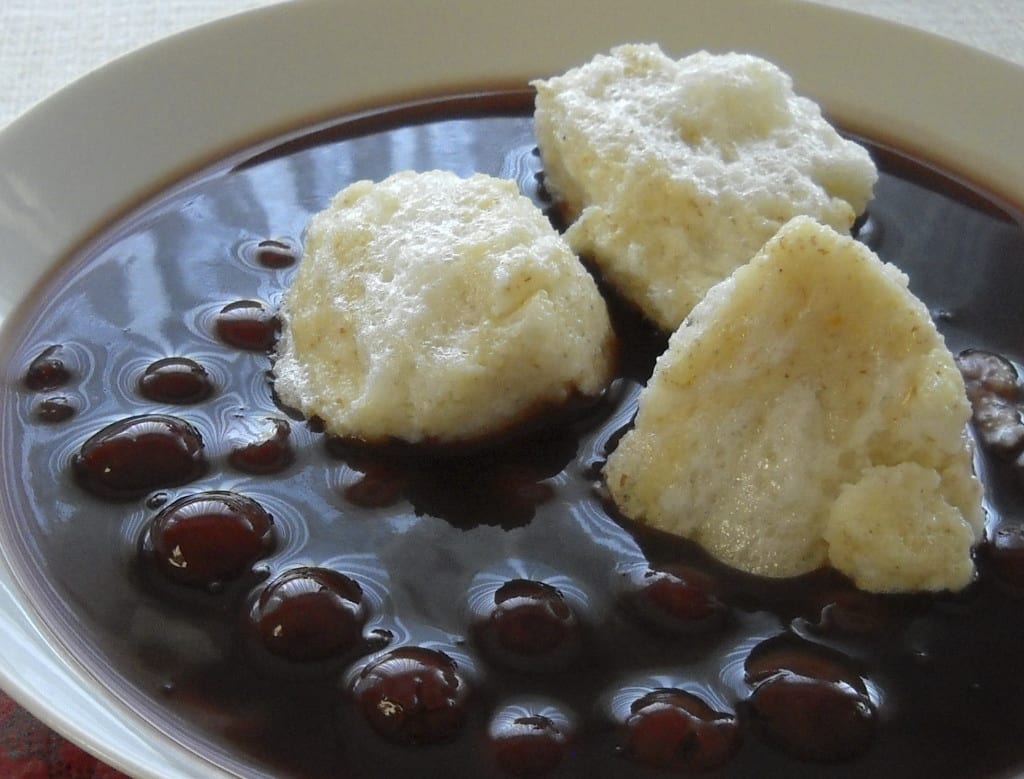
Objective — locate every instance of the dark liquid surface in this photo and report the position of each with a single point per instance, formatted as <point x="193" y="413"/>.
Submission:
<point x="429" y="541"/>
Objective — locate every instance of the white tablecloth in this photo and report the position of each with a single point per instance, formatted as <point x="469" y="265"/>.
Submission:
<point x="46" y="44"/>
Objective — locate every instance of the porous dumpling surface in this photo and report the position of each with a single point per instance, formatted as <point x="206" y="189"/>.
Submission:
<point x="676" y="172"/>
<point x="808" y="413"/>
<point x="434" y="308"/>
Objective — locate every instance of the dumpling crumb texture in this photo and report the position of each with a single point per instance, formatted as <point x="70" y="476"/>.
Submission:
<point x="676" y="172"/>
<point x="808" y="413"/>
<point x="433" y="308"/>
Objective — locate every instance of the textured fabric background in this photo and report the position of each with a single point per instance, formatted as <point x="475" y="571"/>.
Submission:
<point x="46" y="44"/>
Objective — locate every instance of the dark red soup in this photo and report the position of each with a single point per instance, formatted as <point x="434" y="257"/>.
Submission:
<point x="295" y="606"/>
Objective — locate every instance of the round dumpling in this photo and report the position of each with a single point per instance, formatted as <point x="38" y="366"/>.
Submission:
<point x="676" y="172"/>
<point x="433" y="308"/>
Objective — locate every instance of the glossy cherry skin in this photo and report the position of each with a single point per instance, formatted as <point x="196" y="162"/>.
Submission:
<point x="208" y="538"/>
<point x="413" y="695"/>
<point x="310" y="614"/>
<point x="134" y="456"/>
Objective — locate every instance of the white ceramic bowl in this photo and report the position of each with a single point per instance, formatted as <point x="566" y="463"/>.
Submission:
<point x="80" y="158"/>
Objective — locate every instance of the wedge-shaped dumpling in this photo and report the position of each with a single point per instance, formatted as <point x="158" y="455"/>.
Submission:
<point x="808" y="413"/>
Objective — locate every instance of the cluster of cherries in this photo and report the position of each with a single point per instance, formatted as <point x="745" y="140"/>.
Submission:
<point x="805" y="699"/>
<point x="996" y="394"/>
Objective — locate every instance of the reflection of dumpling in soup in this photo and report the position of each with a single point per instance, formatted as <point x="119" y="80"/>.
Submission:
<point x="807" y="412"/>
<point x="428" y="307"/>
<point x="677" y="172"/>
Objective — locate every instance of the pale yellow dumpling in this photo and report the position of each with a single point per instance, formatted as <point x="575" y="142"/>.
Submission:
<point x="808" y="413"/>
<point x="675" y="172"/>
<point x="429" y="307"/>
